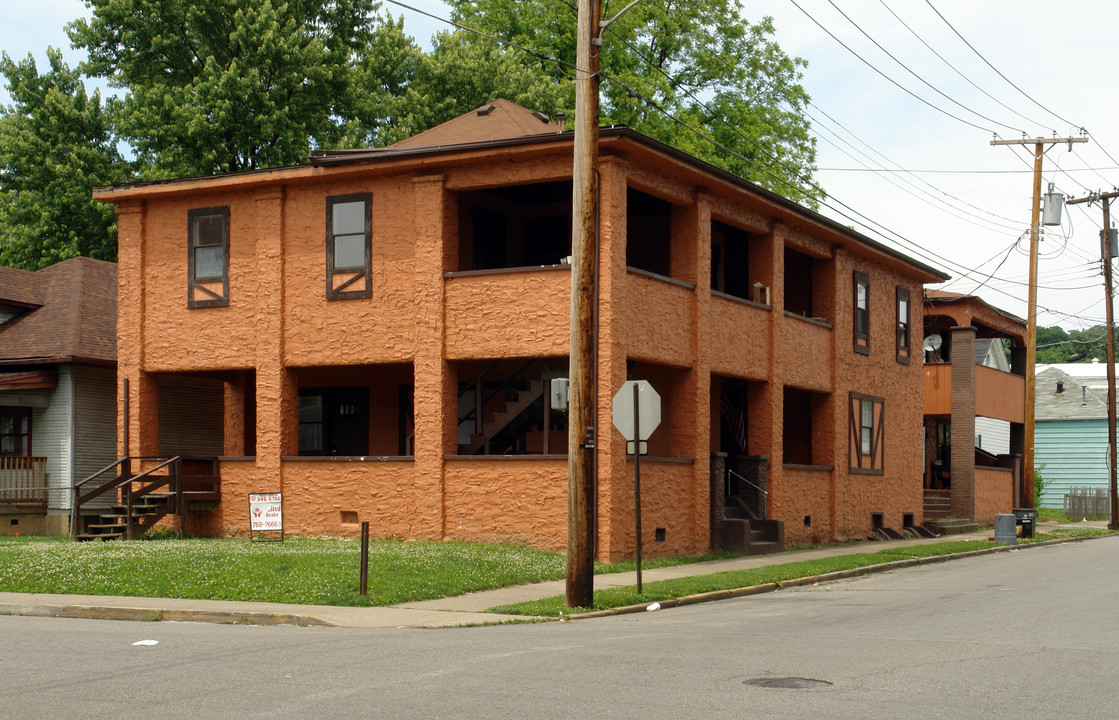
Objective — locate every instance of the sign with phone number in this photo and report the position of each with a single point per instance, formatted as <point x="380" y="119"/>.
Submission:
<point x="266" y="511"/>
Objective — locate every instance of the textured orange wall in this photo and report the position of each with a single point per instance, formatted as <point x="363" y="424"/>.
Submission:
<point x="280" y="324"/>
<point x="507" y="500"/>
<point x="994" y="494"/>
<point x="491" y="315"/>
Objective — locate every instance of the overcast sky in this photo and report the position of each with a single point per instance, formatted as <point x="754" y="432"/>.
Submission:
<point x="952" y="200"/>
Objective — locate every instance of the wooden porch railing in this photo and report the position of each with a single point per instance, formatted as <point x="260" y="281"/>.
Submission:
<point x="23" y="481"/>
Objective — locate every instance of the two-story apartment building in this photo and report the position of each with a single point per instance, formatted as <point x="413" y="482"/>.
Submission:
<point x="372" y="335"/>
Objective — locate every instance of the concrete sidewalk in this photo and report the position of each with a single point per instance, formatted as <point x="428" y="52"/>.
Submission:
<point x="456" y="611"/>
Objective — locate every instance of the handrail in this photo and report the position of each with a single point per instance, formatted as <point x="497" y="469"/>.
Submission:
<point x="765" y="494"/>
<point x="77" y="500"/>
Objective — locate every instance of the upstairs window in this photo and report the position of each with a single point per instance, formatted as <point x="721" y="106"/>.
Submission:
<point x="208" y="257"/>
<point x="348" y="235"/>
<point x="903" y="325"/>
<point x="866" y="418"/>
<point x="862" y="313"/>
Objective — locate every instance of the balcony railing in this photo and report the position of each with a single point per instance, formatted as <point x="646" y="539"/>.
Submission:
<point x="23" y="481"/>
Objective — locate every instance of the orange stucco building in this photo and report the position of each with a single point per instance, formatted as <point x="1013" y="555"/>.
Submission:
<point x="373" y="335"/>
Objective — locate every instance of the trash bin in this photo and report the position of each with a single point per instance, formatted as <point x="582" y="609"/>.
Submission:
<point x="1005" y="529"/>
<point x="1026" y="518"/>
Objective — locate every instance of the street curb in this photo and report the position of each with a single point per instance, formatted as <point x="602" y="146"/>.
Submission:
<point x="140" y="614"/>
<point x="815" y="579"/>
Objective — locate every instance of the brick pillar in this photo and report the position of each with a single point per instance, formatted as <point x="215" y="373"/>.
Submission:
<point x="276" y="389"/>
<point x="963" y="421"/>
<point x="614" y="511"/>
<point x="435" y="380"/>
<point x="696" y="226"/>
<point x="143" y="401"/>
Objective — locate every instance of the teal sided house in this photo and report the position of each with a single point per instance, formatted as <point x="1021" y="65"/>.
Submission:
<point x="1070" y="429"/>
<point x="57" y="388"/>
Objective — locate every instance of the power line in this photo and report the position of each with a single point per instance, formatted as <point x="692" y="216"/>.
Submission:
<point x="1024" y="93"/>
<point x="884" y="75"/>
<point x="954" y="69"/>
<point x="911" y="72"/>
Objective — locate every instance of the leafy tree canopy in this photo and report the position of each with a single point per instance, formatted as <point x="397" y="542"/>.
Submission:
<point x="1055" y="345"/>
<point x="399" y="91"/>
<point x="674" y="63"/>
<point x="56" y="143"/>
<point x="224" y="85"/>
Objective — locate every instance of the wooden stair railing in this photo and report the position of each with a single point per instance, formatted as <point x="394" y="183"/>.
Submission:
<point x="140" y="506"/>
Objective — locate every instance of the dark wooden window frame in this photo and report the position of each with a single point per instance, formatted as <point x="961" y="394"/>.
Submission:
<point x="872" y="461"/>
<point x="860" y="317"/>
<point x="196" y="284"/>
<point x="18" y="414"/>
<point x="365" y="271"/>
<point x="904" y="326"/>
<point x="332" y="399"/>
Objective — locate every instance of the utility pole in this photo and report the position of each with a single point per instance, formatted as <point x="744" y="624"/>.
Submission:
<point x="1105" y="237"/>
<point x="584" y="283"/>
<point x="1031" y="316"/>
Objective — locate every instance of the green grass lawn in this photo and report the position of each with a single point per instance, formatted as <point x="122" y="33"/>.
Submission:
<point x="326" y="571"/>
<point x="297" y="570"/>
<point x="778" y="573"/>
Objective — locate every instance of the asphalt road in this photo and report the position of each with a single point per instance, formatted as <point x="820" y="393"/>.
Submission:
<point x="1030" y="634"/>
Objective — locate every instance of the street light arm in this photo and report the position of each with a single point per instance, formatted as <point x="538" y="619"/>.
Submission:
<point x="602" y="25"/>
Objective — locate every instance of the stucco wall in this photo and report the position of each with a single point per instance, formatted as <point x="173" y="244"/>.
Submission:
<point x="994" y="493"/>
<point x="426" y="316"/>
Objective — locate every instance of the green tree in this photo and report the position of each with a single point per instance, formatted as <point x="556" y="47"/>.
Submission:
<point x="399" y="91"/>
<point x="1054" y="345"/>
<point x="225" y="85"/>
<point x="56" y="142"/>
<point x="672" y="68"/>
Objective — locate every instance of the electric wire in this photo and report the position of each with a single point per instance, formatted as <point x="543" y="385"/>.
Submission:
<point x="1004" y="77"/>
<point x="901" y="87"/>
<point x="914" y="74"/>
<point x="971" y="82"/>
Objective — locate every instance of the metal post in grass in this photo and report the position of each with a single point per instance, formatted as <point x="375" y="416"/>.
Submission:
<point x="363" y="584"/>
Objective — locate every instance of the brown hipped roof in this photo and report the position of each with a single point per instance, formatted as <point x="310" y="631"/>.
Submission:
<point x="71" y="314"/>
<point x="498" y="120"/>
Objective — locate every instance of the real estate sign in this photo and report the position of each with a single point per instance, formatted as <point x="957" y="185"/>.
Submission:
<point x="266" y="512"/>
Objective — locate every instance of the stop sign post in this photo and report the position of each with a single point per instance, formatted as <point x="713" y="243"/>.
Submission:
<point x="637" y="413"/>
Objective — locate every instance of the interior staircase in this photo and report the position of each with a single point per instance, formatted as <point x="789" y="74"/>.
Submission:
<point x="510" y="420"/>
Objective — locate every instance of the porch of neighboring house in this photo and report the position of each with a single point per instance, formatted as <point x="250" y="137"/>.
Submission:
<point x="968" y="379"/>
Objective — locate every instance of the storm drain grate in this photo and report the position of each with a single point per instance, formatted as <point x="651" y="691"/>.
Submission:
<point x="794" y="683"/>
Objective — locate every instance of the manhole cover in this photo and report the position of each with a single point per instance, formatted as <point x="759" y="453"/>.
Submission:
<point x="786" y="682"/>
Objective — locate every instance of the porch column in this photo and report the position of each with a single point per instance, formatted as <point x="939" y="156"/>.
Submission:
<point x="436" y="403"/>
<point x="276" y="389"/>
<point x="143" y="400"/>
<point x="696" y="224"/>
<point x="963" y="422"/>
<point x="614" y="511"/>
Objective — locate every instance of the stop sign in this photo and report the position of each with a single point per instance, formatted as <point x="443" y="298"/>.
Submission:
<point x="648" y="409"/>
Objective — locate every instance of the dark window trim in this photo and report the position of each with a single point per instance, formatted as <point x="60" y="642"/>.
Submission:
<point x="904" y="326"/>
<point x="872" y="463"/>
<point x="861" y="341"/>
<point x="195" y="284"/>
<point x="19" y="413"/>
<point x="365" y="272"/>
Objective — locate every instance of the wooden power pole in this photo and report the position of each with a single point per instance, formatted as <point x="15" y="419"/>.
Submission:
<point x="581" y="437"/>
<point x="1031" y="317"/>
<point x="1105" y="237"/>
